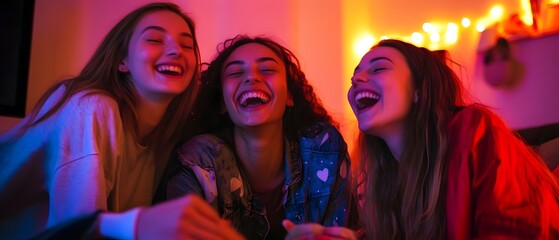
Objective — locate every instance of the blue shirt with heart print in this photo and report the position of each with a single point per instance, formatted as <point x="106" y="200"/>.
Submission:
<point x="316" y="186"/>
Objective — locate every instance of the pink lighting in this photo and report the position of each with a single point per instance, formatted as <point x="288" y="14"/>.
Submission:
<point x="328" y="37"/>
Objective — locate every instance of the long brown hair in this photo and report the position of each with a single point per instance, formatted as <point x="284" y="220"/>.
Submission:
<point x="101" y="74"/>
<point x="406" y="199"/>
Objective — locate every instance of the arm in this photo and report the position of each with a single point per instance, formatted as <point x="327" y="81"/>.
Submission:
<point x="194" y="170"/>
<point x="497" y="186"/>
<point x="183" y="181"/>
<point x="84" y="148"/>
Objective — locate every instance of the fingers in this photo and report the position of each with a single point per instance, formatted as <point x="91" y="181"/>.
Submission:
<point x="316" y="231"/>
<point x="200" y="221"/>
<point x="195" y="205"/>
<point x="339" y="232"/>
<point x="189" y="217"/>
<point x="302" y="231"/>
<point x="288" y="225"/>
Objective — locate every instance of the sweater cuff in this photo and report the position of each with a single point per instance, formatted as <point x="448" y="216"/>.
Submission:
<point x="119" y="225"/>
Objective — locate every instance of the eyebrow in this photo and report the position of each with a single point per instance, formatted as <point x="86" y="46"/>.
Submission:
<point x="158" y="28"/>
<point x="260" y="60"/>
<point x="374" y="60"/>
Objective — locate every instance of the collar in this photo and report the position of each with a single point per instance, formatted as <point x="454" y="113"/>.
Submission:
<point x="293" y="168"/>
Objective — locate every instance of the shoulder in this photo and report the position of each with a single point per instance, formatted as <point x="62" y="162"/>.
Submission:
<point x="80" y="103"/>
<point x="476" y="114"/>
<point x="478" y="128"/>
<point x="202" y="148"/>
<point x="475" y="121"/>
<point x="322" y="136"/>
<point x="93" y="101"/>
<point x="94" y="108"/>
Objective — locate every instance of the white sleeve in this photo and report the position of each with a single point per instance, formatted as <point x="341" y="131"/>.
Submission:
<point x="77" y="188"/>
<point x="86" y="149"/>
<point x="119" y="225"/>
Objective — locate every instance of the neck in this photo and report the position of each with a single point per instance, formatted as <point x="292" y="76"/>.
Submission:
<point x="261" y="154"/>
<point x="149" y="115"/>
<point x="393" y="136"/>
<point x="395" y="145"/>
<point x="395" y="142"/>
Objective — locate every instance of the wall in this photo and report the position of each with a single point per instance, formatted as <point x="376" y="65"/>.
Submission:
<point x="533" y="100"/>
<point x="321" y="33"/>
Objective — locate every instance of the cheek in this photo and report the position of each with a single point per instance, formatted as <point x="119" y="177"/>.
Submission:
<point x="191" y="60"/>
<point x="228" y="91"/>
<point x="348" y="95"/>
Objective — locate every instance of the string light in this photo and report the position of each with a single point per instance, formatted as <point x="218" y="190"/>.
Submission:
<point x="363" y="44"/>
<point x="466" y="22"/>
<point x="417" y="38"/>
<point x="432" y="31"/>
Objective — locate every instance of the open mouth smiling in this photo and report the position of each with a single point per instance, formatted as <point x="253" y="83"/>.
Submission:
<point x="253" y="98"/>
<point x="174" y="70"/>
<point x="366" y="99"/>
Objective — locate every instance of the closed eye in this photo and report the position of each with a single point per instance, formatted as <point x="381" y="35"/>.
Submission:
<point x="187" y="46"/>
<point x="151" y="40"/>
<point x="233" y="74"/>
<point x="379" y="69"/>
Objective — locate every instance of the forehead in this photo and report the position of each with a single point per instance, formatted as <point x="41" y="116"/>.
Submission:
<point x="168" y="20"/>
<point x="252" y="51"/>
<point x="383" y="52"/>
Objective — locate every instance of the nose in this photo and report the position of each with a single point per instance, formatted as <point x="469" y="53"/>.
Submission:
<point x="251" y="76"/>
<point x="359" y="77"/>
<point x="173" y="49"/>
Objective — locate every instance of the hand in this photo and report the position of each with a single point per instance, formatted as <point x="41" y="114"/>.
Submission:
<point x="188" y="217"/>
<point x="316" y="231"/>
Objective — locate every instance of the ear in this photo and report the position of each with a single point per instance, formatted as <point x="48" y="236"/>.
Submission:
<point x="290" y="102"/>
<point x="123" y="67"/>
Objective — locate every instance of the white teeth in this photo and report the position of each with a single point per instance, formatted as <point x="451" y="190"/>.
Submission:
<point x="362" y="95"/>
<point x="247" y="95"/>
<point x="170" y="68"/>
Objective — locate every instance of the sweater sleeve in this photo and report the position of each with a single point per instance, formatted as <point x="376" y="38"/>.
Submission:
<point x="84" y="150"/>
<point x="497" y="186"/>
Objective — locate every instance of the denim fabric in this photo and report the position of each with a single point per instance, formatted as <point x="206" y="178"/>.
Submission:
<point x="317" y="171"/>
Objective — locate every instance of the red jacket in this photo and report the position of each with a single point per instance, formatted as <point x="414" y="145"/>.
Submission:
<point x="498" y="188"/>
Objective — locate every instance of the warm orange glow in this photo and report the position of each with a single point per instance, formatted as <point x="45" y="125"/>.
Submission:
<point x="526" y="12"/>
<point x="429" y="28"/>
<point x="363" y="44"/>
<point x="466" y="22"/>
<point x="417" y="38"/>
<point x="453" y="32"/>
<point x="451" y="35"/>
<point x="435" y="37"/>
<point x="496" y="12"/>
<point x="480" y="26"/>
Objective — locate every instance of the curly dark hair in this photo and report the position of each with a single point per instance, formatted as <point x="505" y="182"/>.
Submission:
<point x="306" y="111"/>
